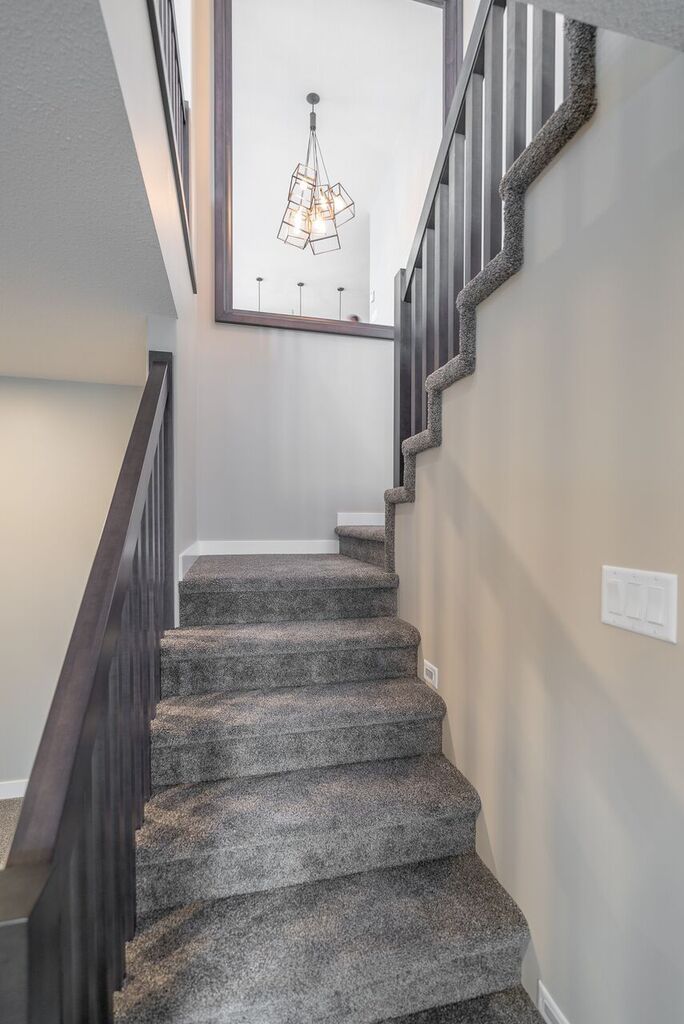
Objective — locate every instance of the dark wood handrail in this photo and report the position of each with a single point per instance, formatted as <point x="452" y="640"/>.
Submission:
<point x="472" y="62"/>
<point x="67" y="895"/>
<point x="460" y="229"/>
<point x="89" y="654"/>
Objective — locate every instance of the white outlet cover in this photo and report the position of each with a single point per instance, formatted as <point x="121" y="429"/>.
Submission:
<point x="640" y="601"/>
<point x="431" y="675"/>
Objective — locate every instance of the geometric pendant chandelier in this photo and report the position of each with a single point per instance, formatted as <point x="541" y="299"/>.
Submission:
<point x="315" y="208"/>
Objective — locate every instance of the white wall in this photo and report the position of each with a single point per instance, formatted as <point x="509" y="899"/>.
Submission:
<point x="61" y="446"/>
<point x="292" y="427"/>
<point x="564" y="452"/>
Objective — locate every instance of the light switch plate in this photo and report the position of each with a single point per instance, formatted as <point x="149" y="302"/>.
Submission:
<point x="431" y="675"/>
<point x="639" y="601"/>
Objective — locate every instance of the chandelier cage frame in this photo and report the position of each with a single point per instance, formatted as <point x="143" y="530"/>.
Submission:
<point x="315" y="208"/>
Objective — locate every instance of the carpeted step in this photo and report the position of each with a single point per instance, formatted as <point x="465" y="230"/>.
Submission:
<point x="241" y="835"/>
<point x="283" y="588"/>
<point x="366" y="543"/>
<point x="257" y="732"/>
<point x="513" y="1006"/>
<point x="351" y="950"/>
<point x="205" y="659"/>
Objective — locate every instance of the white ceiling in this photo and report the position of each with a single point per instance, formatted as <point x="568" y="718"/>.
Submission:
<point x="371" y="61"/>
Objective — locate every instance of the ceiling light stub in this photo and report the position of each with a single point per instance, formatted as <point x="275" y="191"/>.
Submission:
<point x="315" y="208"/>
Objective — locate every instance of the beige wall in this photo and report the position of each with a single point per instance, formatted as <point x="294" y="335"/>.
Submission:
<point x="564" y="452"/>
<point x="61" y="446"/>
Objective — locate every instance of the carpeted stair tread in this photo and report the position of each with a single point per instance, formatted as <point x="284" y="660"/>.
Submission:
<point x="374" y="534"/>
<point x="275" y="638"/>
<point x="350" y="950"/>
<point x="283" y="572"/>
<point x="513" y="1006"/>
<point x="206" y="718"/>
<point x="242" y="835"/>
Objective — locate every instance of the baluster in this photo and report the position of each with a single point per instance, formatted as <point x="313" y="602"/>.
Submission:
<point x="417" y="348"/>
<point x="566" y="62"/>
<point x="543" y="67"/>
<point x="115" y="802"/>
<point x="100" y="997"/>
<point x="473" y="178"/>
<point x="440" y="296"/>
<point x="167" y="523"/>
<point x="146" y="661"/>
<point x="402" y="373"/>
<point x="127" y="764"/>
<point x="455" y="266"/>
<point x="493" y="133"/>
<point x="76" y="1001"/>
<point x="516" y="80"/>
<point x="427" y="308"/>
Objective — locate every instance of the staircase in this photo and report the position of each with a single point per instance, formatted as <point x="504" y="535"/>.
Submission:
<point x="307" y="856"/>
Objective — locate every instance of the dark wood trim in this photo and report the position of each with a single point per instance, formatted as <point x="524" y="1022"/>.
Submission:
<point x="168" y="519"/>
<point x="181" y="165"/>
<point x="473" y="60"/>
<point x="286" y="321"/>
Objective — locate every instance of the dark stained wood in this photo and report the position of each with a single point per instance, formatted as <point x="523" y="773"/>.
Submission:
<point x="165" y="41"/>
<point x="516" y="80"/>
<point x="543" y="66"/>
<point x="440" y="291"/>
<point x="402" y="375"/>
<point x="472" y="259"/>
<point x="453" y="49"/>
<point x="427" y="310"/>
<point x="493" y="134"/>
<point x="455" y="121"/>
<point x="67" y="896"/>
<point x="417" y="350"/>
<point x="455" y="253"/>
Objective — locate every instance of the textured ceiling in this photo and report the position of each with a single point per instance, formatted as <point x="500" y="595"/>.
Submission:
<point x="74" y="216"/>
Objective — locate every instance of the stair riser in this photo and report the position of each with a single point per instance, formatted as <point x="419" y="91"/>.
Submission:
<point x="210" y="675"/>
<point x="371" y="551"/>
<point x="310" y="858"/>
<point x="264" y="755"/>
<point x="216" y="608"/>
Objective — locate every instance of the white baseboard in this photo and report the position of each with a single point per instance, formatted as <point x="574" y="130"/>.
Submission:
<point x="548" y="1008"/>
<point x="360" y="518"/>
<point x="13" y="789"/>
<point x="254" y="547"/>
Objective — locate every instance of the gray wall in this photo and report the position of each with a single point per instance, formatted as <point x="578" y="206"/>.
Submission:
<point x="564" y="452"/>
<point x="292" y="427"/>
<point x="61" y="446"/>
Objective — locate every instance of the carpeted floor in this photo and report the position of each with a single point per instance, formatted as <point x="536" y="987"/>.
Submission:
<point x="9" y="813"/>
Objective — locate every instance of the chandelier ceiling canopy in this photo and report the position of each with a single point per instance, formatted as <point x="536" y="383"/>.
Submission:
<point x="315" y="208"/>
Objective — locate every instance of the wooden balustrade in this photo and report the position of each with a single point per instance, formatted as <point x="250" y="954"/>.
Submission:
<point x="67" y="896"/>
<point x="460" y="226"/>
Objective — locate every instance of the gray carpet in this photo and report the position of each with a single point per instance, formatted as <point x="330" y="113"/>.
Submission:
<point x="308" y="853"/>
<point x="365" y="543"/>
<point x="9" y="815"/>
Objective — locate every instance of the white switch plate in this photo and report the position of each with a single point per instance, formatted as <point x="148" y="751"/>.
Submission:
<point x="639" y="601"/>
<point x="431" y="675"/>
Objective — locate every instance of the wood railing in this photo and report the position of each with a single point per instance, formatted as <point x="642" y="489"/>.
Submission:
<point x="176" y="109"/>
<point x="67" y="896"/>
<point x="460" y="227"/>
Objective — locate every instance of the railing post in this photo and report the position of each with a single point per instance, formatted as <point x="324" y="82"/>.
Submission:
<point x="169" y="568"/>
<point x="29" y="946"/>
<point x="402" y="374"/>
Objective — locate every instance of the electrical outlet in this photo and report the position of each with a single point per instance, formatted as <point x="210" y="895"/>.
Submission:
<point x="431" y="675"/>
<point x="548" y="1008"/>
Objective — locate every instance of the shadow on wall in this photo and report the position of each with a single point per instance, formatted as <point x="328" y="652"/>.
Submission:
<point x="582" y="736"/>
